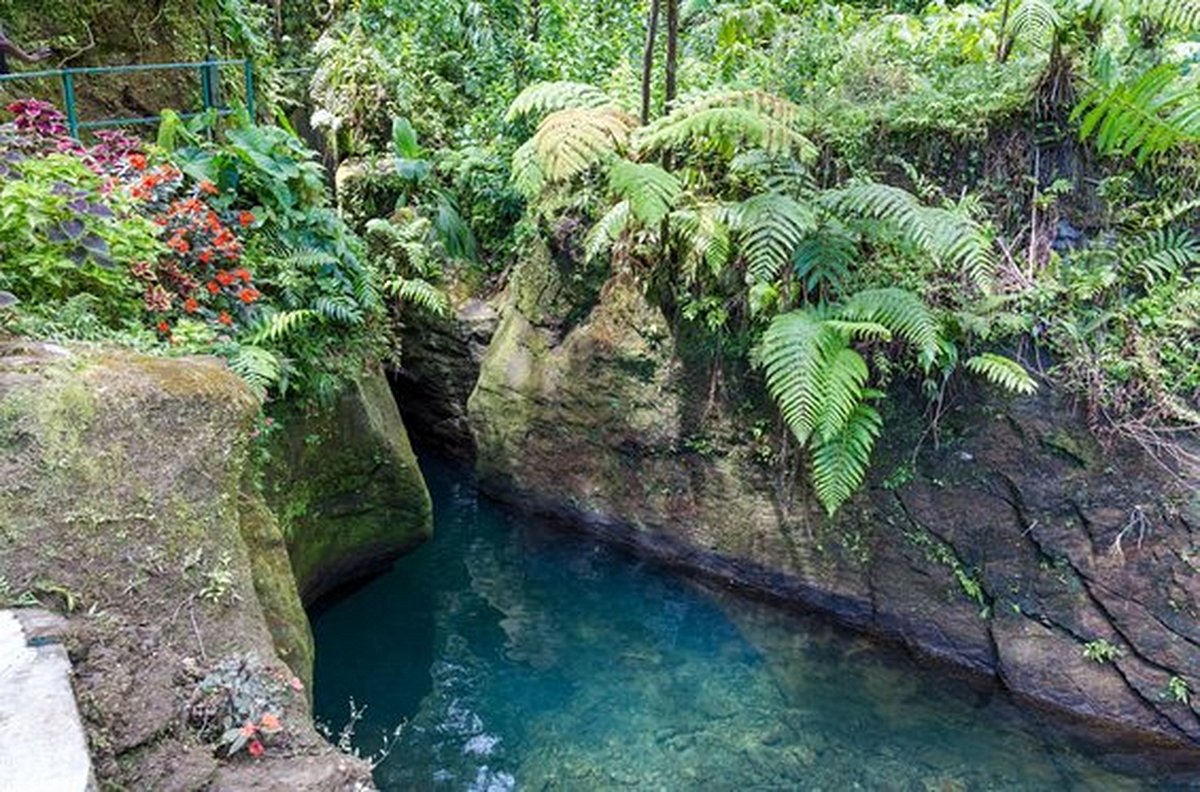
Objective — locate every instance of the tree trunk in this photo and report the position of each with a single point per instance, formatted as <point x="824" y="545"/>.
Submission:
<point x="648" y="59"/>
<point x="672" y="50"/>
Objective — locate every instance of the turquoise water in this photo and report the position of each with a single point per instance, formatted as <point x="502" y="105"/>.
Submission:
<point x="518" y="657"/>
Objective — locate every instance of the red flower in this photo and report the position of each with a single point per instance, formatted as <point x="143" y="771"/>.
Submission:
<point x="225" y="319"/>
<point x="179" y="244"/>
<point x="213" y="287"/>
<point x="225" y="278"/>
<point x="138" y="161"/>
<point x="249" y="295"/>
<point x="163" y="327"/>
<point x="249" y="729"/>
<point x="205" y="257"/>
<point x="190" y="305"/>
<point x="255" y="748"/>
<point x="246" y="218"/>
<point x="208" y="188"/>
<point x="243" y="274"/>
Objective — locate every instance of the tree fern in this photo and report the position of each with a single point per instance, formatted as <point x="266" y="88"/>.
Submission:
<point x="569" y="142"/>
<point x="771" y="227"/>
<point x="542" y="98"/>
<point x="649" y="190"/>
<point x="728" y="123"/>
<point x="1144" y="117"/>
<point x="1036" y="22"/>
<point x="1002" y="371"/>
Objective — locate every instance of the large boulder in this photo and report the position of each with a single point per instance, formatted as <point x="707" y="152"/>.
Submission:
<point x="346" y="487"/>
<point x="123" y="505"/>
<point x="1013" y="546"/>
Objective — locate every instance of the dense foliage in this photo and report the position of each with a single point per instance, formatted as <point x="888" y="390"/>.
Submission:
<point x="847" y="196"/>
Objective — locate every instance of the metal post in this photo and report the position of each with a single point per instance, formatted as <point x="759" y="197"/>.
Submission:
<point x="205" y="86"/>
<point x="68" y="82"/>
<point x="249" y="69"/>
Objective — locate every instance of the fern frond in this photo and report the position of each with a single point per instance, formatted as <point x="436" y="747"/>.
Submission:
<point x="824" y="258"/>
<point x="1035" y="21"/>
<point x="771" y="227"/>
<point x="1156" y="255"/>
<point x="276" y="326"/>
<point x="701" y="235"/>
<point x="259" y="368"/>
<point x="1144" y="117"/>
<point x="422" y="294"/>
<point x="1002" y="371"/>
<point x="1179" y="15"/>
<point x="604" y="234"/>
<point x="543" y="98"/>
<point x="569" y="142"/>
<point x="794" y="352"/>
<point x="527" y="175"/>
<point x="947" y="235"/>
<point x="728" y="123"/>
<point x="649" y="190"/>
<point x="902" y="312"/>
<point x="338" y="308"/>
<point x="840" y="462"/>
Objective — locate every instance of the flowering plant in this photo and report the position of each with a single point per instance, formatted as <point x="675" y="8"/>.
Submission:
<point x="201" y="277"/>
<point x="237" y="706"/>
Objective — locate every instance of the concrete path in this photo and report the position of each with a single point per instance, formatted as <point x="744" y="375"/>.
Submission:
<point x="42" y="742"/>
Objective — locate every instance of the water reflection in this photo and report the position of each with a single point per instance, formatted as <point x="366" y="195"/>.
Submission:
<point x="526" y="659"/>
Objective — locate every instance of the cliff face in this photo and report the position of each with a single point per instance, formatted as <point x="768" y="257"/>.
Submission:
<point x="125" y="504"/>
<point x="346" y="487"/>
<point x="1011" y="546"/>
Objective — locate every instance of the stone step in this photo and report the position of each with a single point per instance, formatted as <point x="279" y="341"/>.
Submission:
<point x="42" y="743"/>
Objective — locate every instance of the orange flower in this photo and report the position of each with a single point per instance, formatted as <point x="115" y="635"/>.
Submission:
<point x="225" y="278"/>
<point x="208" y="188"/>
<point x="190" y="305"/>
<point x="163" y="327"/>
<point x="270" y="723"/>
<point x="249" y="295"/>
<point x="138" y="161"/>
<point x="213" y="287"/>
<point x="205" y="257"/>
<point x="178" y="244"/>
<point x="225" y="319"/>
<point x="246" y="218"/>
<point x="243" y="274"/>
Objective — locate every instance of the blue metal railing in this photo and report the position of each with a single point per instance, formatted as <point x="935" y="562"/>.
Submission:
<point x="209" y="71"/>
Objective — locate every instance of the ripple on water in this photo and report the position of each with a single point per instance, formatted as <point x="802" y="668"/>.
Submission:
<point x="525" y="659"/>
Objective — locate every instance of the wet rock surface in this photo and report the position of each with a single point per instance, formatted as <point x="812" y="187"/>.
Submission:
<point x="1009" y="546"/>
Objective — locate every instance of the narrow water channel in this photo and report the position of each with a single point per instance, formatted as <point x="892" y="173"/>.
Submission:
<point x="521" y="658"/>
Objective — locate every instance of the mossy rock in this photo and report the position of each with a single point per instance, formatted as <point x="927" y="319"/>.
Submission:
<point x="345" y="484"/>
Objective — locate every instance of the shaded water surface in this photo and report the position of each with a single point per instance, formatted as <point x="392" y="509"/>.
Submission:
<point x="522" y="658"/>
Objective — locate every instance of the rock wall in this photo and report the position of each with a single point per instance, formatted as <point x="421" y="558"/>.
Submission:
<point x="124" y="506"/>
<point x="346" y="487"/>
<point x="1008" y="547"/>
